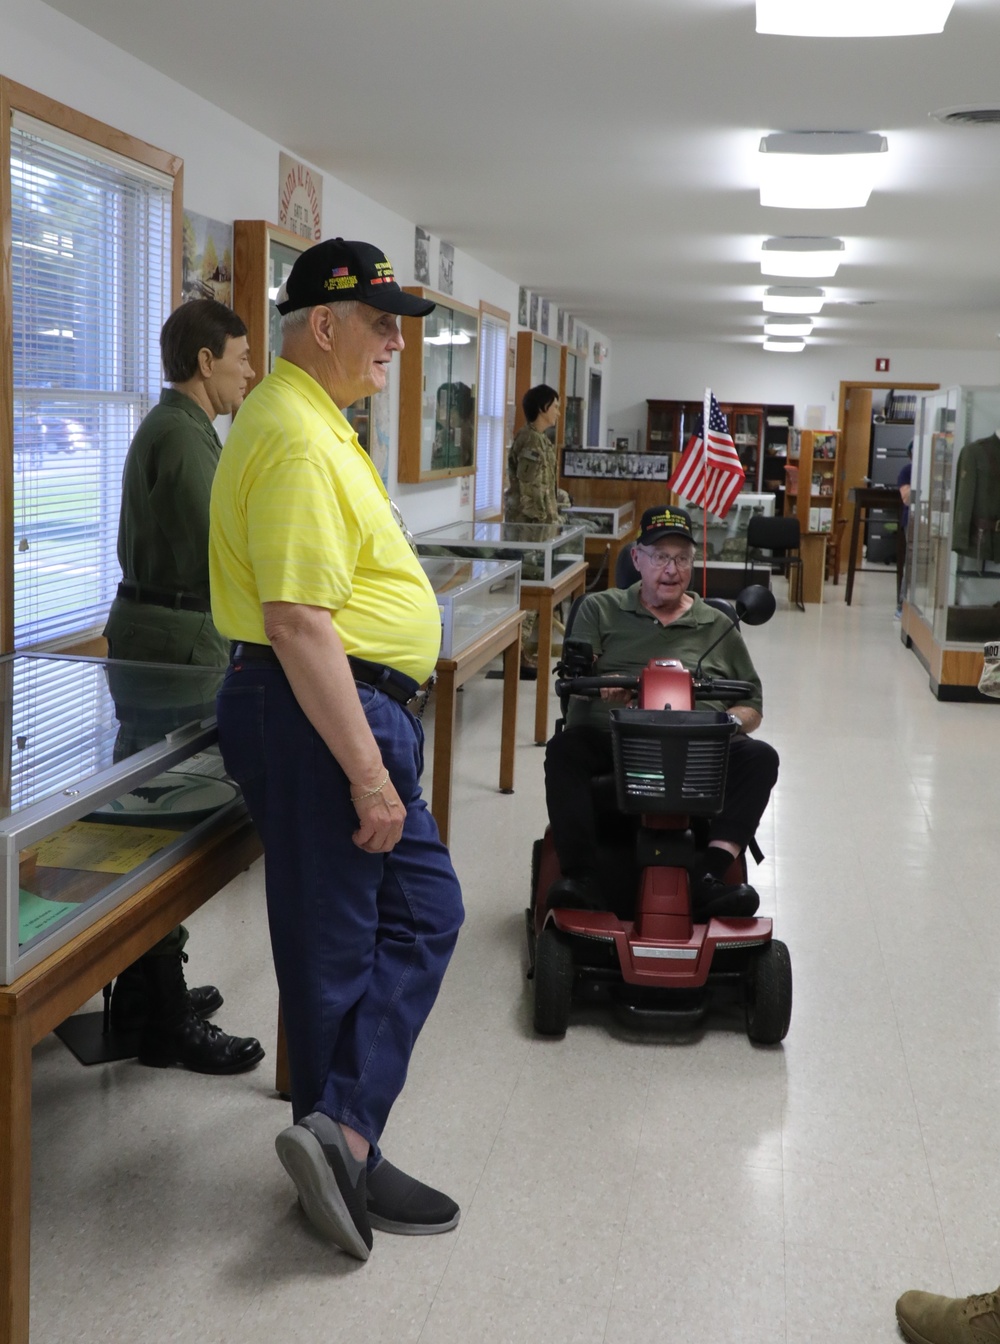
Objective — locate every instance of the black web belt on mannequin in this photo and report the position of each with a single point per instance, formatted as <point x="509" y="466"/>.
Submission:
<point x="162" y="597"/>
<point x="386" y="679"/>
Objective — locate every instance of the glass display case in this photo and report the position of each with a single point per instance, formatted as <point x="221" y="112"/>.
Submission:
<point x="604" y="521"/>
<point x="727" y="537"/>
<point x="954" y="574"/>
<point x="537" y="359"/>
<point x="110" y="774"/>
<point x="545" y="550"/>
<point x="263" y="256"/>
<point x="574" y="412"/>
<point x="439" y="368"/>
<point x="472" y="595"/>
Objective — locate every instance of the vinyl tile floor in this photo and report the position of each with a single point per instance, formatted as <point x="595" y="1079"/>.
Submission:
<point x="614" y="1187"/>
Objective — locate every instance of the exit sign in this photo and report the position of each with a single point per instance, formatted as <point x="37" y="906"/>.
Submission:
<point x="881" y="366"/>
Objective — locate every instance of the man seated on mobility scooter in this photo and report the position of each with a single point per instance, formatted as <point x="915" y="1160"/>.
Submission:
<point x="657" y="618"/>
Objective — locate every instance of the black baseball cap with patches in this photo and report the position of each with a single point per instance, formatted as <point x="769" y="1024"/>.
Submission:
<point x="663" y="520"/>
<point x="337" y="271"/>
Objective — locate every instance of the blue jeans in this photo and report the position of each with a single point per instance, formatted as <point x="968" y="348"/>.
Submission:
<point x="360" y="941"/>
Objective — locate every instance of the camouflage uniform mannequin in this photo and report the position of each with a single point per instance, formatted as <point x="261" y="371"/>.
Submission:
<point x="531" y="491"/>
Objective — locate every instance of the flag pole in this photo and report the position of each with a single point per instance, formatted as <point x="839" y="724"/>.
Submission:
<point x="706" y="411"/>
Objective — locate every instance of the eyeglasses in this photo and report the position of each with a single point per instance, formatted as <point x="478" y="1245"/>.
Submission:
<point x="658" y="560"/>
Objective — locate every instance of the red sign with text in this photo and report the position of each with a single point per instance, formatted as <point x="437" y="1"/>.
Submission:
<point x="881" y="366"/>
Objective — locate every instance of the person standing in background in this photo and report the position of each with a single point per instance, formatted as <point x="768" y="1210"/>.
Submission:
<point x="162" y="614"/>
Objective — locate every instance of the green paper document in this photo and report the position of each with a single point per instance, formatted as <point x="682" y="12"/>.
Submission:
<point x="35" y="914"/>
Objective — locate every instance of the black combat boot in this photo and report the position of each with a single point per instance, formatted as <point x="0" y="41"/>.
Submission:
<point x="130" y="999"/>
<point x="175" y="1034"/>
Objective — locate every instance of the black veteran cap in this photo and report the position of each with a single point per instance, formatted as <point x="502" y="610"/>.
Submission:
<point x="664" y="521"/>
<point x="335" y="271"/>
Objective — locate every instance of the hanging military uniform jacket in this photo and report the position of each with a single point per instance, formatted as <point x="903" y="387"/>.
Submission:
<point x="977" y="500"/>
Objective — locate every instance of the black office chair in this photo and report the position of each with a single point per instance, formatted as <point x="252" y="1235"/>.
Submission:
<point x="625" y="572"/>
<point x="782" y="539"/>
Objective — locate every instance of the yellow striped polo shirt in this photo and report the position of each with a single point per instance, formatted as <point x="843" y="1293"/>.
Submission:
<point x="299" y="514"/>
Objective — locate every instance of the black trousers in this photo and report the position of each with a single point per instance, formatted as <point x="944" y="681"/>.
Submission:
<point x="574" y="756"/>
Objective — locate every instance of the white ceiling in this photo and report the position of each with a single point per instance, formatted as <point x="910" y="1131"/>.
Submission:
<point x="605" y="153"/>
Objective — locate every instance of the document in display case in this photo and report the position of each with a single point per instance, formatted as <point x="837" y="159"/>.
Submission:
<point x="473" y="596"/>
<point x="110" y="773"/>
<point x="545" y="550"/>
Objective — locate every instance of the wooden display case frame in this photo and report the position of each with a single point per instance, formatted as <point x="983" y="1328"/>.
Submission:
<point x="523" y="379"/>
<point x="251" y="247"/>
<point x="411" y="391"/>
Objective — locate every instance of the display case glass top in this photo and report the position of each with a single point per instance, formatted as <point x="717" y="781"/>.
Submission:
<point x="109" y="774"/>
<point x="544" y="549"/>
<point x="604" y="521"/>
<point x="473" y="596"/>
<point x="439" y="371"/>
<point x="954" y="581"/>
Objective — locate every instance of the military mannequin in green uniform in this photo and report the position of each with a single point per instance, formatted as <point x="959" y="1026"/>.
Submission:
<point x="531" y="490"/>
<point x="162" y="614"/>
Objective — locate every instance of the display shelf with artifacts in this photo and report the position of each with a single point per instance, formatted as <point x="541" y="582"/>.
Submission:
<point x="545" y="550"/>
<point x="573" y="421"/>
<point x="952" y="589"/>
<point x="727" y="537"/>
<point x="438" y="373"/>
<point x="609" y="530"/>
<point x="263" y="256"/>
<point x="108" y="778"/>
<point x="670" y="425"/>
<point x="778" y="421"/>
<point x="473" y="596"/>
<point x="811" y="478"/>
<point x="537" y="360"/>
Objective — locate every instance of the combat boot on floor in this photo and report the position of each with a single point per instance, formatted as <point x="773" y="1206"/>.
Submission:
<point x="926" y="1318"/>
<point x="175" y="1034"/>
<point x="130" y="999"/>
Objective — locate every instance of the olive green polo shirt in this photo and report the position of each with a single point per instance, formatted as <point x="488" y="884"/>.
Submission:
<point x="166" y="489"/>
<point x="625" y="636"/>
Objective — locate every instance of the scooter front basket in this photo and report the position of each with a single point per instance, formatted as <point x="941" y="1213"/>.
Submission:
<point x="671" y="760"/>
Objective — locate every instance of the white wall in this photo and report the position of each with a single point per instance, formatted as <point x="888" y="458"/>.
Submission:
<point x="230" y="172"/>
<point x="648" y="369"/>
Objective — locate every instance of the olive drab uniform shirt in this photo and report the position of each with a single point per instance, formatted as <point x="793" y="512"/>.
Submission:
<point x="977" y="500"/>
<point x="163" y="537"/>
<point x="531" y="473"/>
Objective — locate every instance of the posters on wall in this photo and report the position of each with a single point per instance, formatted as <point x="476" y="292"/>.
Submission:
<point x="422" y="256"/>
<point x="207" y="266"/>
<point x="446" y="268"/>
<point x="300" y="198"/>
<point x="544" y="319"/>
<point x="560" y="326"/>
<point x="533" y="313"/>
<point x="522" y="307"/>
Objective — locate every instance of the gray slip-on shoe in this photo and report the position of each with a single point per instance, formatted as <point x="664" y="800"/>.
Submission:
<point x="331" y="1182"/>
<point x="401" y="1203"/>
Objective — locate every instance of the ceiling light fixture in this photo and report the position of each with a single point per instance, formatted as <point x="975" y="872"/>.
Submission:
<point x="819" y="170"/>
<point x="787" y="326"/>
<point x="793" y="299"/>
<point x="801" y="256"/>
<point x="780" y="345"/>
<point x="852" y="18"/>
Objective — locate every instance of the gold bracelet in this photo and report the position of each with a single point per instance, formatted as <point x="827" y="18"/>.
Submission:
<point x="360" y="797"/>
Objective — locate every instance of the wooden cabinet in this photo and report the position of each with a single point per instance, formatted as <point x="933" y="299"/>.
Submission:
<point x="439" y="370"/>
<point x="573" y="419"/>
<point x="263" y="255"/>
<point x="537" y="360"/>
<point x="812" y="479"/>
<point x="777" y="427"/>
<point x="670" y="424"/>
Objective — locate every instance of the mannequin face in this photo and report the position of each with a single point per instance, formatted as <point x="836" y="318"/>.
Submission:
<point x="547" y="419"/>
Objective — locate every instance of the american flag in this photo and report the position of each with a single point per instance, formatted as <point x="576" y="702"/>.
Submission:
<point x="716" y="488"/>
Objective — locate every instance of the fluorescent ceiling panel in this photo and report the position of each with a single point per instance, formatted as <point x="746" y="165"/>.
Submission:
<point x="852" y="18"/>
<point x="819" y="170"/>
<point x="813" y="257"/>
<point x="780" y="345"/>
<point x="793" y="299"/>
<point x="787" y="326"/>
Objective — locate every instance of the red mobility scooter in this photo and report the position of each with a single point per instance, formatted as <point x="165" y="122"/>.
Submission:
<point x="644" y="952"/>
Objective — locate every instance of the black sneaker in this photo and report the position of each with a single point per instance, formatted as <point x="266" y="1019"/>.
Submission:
<point x="331" y="1182"/>
<point x="401" y="1203"/>
<point x="710" y="896"/>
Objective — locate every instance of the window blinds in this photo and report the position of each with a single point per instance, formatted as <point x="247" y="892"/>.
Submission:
<point x="91" y="289"/>
<point x="491" y="411"/>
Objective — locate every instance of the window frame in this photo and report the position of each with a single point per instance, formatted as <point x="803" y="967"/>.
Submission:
<point x="17" y="97"/>
<point x="492" y="512"/>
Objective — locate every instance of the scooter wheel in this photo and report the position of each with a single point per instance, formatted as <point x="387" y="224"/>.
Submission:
<point x="768" y="994"/>
<point x="553" y="982"/>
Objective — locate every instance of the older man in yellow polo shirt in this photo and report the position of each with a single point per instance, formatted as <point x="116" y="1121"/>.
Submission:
<point x="334" y="626"/>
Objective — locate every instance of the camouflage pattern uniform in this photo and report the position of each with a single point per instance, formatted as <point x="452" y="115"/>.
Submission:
<point x="531" y="498"/>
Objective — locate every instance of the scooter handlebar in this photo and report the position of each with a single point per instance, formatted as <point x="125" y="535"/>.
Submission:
<point x="715" y="689"/>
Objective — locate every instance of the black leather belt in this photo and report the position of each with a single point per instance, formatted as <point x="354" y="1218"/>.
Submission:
<point x="386" y="679"/>
<point x="162" y="597"/>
